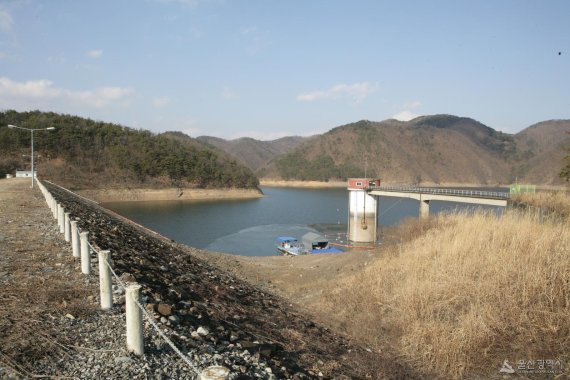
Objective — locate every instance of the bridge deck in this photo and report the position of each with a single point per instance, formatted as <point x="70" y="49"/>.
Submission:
<point x="440" y="191"/>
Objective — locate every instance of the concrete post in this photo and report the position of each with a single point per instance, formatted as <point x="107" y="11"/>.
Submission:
<point x="54" y="207"/>
<point x="60" y="217"/>
<point x="75" y="238"/>
<point x="105" y="283"/>
<point x="424" y="209"/>
<point x="215" y="372"/>
<point x="85" y="253"/>
<point x="66" y="227"/>
<point x="135" y="339"/>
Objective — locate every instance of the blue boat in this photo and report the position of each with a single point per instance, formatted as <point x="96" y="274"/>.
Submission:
<point x="315" y="243"/>
<point x="289" y="246"/>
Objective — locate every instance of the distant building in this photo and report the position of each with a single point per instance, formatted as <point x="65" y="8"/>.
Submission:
<point x="25" y="173"/>
<point x="363" y="183"/>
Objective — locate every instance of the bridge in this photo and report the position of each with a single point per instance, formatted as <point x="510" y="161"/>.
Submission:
<point x="426" y="194"/>
<point x="363" y="202"/>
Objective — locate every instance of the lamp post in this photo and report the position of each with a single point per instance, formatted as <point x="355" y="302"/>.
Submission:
<point x="32" y="131"/>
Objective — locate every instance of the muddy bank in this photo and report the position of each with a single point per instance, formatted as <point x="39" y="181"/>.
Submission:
<point x="308" y="184"/>
<point x="342" y="184"/>
<point x="280" y="336"/>
<point x="300" y="279"/>
<point x="169" y="194"/>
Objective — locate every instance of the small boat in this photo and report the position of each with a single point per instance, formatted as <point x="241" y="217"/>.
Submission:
<point x="316" y="243"/>
<point x="289" y="246"/>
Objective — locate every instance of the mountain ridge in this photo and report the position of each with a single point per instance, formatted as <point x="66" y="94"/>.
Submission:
<point x="428" y="149"/>
<point x="251" y="152"/>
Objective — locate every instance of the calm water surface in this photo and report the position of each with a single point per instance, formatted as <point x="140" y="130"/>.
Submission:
<point x="249" y="227"/>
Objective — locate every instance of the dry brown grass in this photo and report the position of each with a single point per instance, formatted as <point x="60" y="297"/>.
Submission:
<point x="554" y="202"/>
<point x="471" y="292"/>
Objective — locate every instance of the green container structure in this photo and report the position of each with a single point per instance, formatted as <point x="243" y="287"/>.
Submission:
<point x="517" y="189"/>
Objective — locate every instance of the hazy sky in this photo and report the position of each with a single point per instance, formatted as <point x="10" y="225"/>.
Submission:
<point x="269" y="68"/>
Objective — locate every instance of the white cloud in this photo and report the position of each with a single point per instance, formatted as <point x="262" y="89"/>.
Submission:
<point x="355" y="91"/>
<point x="407" y="113"/>
<point x="227" y="94"/>
<point x="95" y="53"/>
<point x="30" y="93"/>
<point x="6" y="21"/>
<point x="160" y="102"/>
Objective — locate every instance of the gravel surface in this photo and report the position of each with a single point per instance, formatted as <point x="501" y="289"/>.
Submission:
<point x="212" y="317"/>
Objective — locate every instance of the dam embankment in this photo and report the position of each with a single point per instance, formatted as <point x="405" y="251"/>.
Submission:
<point x="281" y="342"/>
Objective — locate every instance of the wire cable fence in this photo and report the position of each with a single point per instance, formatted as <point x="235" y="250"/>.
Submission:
<point x="150" y="318"/>
<point x="77" y="231"/>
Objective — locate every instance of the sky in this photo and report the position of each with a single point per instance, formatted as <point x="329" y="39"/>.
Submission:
<point x="267" y="69"/>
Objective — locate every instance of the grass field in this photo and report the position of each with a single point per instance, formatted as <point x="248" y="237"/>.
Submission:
<point x="468" y="293"/>
<point x="557" y="202"/>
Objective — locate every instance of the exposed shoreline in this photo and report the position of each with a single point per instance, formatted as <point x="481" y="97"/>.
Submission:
<point x="168" y="194"/>
<point x="172" y="194"/>
<point x="342" y="184"/>
<point x="302" y="184"/>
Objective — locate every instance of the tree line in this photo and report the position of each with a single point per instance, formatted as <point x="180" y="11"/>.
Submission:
<point x="84" y="147"/>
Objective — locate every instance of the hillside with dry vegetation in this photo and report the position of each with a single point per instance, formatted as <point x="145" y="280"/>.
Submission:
<point x="436" y="149"/>
<point x="541" y="151"/>
<point x="251" y="152"/>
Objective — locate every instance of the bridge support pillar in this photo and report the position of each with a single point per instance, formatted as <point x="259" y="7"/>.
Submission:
<point x="362" y="214"/>
<point x="424" y="209"/>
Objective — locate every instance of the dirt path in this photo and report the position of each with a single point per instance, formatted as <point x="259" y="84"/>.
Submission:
<point x="300" y="279"/>
<point x="39" y="282"/>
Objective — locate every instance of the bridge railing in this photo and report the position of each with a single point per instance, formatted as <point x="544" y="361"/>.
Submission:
<point x="439" y="191"/>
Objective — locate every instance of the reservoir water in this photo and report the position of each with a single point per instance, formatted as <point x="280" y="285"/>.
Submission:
<point x="249" y="227"/>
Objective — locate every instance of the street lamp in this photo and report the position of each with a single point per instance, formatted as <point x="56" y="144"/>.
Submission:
<point x="32" y="131"/>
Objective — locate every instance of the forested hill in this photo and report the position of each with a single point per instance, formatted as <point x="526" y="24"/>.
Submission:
<point x="82" y="153"/>
<point x="429" y="149"/>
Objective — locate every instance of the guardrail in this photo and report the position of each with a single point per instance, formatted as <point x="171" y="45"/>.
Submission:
<point x="82" y="248"/>
<point x="440" y="191"/>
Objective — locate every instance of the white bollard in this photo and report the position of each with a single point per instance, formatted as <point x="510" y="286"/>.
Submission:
<point x="135" y="339"/>
<point x="105" y="283"/>
<point x="54" y="207"/>
<point x="75" y="238"/>
<point x="66" y="227"/>
<point x="60" y="217"/>
<point x="85" y="253"/>
<point x="215" y="372"/>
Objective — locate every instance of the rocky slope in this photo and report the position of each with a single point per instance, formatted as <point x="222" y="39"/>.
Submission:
<point x="249" y="330"/>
